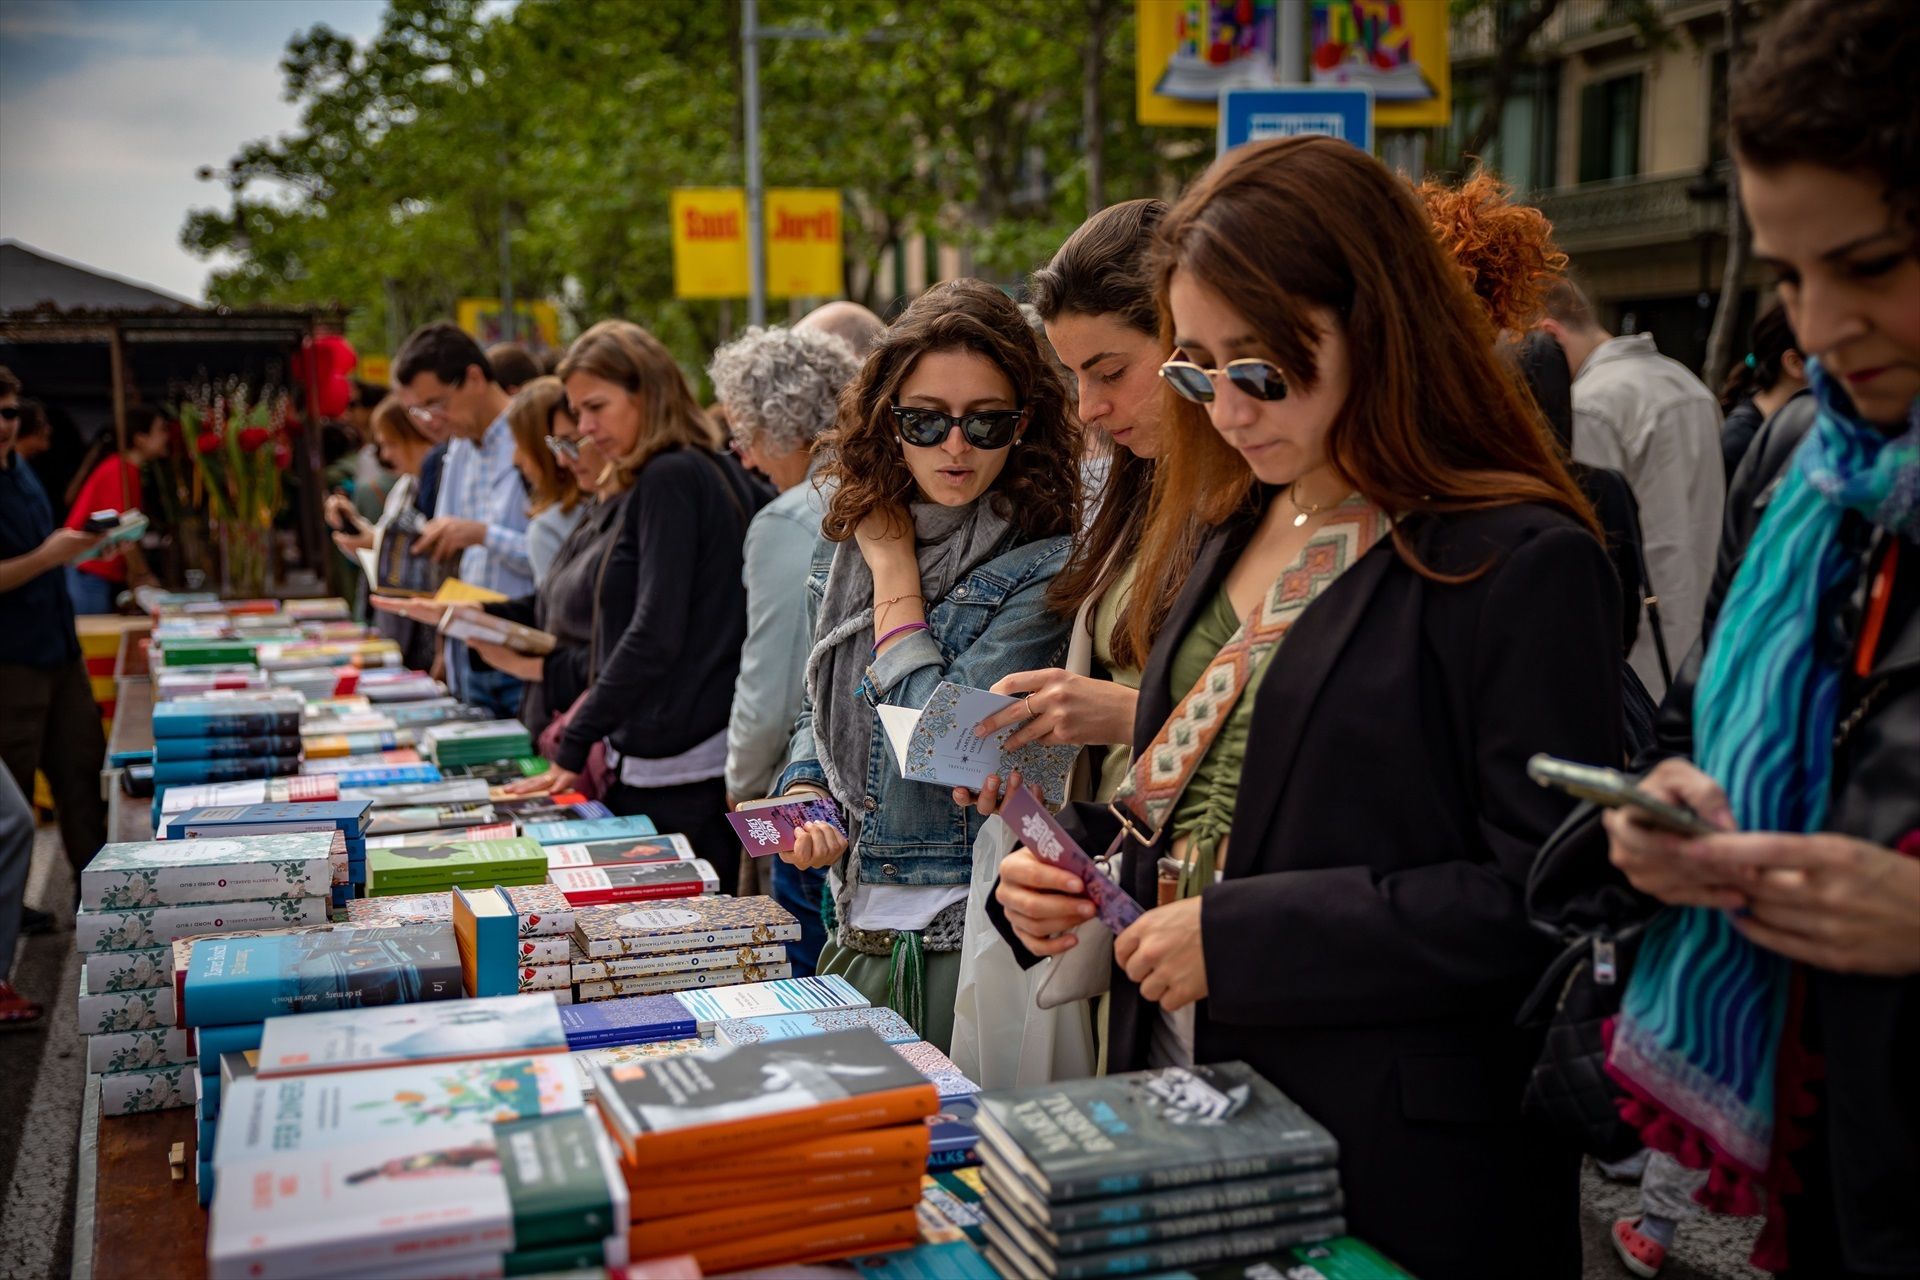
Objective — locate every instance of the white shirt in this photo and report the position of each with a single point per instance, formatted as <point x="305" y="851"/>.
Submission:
<point x="1647" y="417"/>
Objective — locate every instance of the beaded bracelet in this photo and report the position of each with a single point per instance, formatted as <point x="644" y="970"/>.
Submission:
<point x="902" y="629"/>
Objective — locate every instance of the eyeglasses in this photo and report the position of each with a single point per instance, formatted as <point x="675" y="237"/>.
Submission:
<point x="984" y="429"/>
<point x="427" y="414"/>
<point x="564" y="447"/>
<point x="1260" y="379"/>
<point x="10" y="413"/>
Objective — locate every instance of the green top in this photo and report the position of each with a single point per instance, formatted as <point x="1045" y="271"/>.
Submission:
<point x="1205" y="810"/>
<point x="1106" y="614"/>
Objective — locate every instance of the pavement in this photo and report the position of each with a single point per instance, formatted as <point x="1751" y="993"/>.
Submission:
<point x="42" y="1079"/>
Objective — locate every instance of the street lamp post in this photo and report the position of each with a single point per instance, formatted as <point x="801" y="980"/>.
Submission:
<point x="1706" y="205"/>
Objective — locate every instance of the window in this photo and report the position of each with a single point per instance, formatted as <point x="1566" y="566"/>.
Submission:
<point x="1610" y="128"/>
<point x="1522" y="148"/>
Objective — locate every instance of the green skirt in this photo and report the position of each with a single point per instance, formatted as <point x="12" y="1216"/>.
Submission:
<point x="870" y="975"/>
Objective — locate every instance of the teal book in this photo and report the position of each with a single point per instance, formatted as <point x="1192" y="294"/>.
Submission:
<point x="883" y="1022"/>
<point x="211" y="1042"/>
<point x="176" y="772"/>
<point x="582" y="830"/>
<point x="246" y="979"/>
<point x="488" y="933"/>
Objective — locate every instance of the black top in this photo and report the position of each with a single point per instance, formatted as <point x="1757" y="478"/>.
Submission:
<point x="39" y="610"/>
<point x="673" y="612"/>
<point x="1368" y="947"/>
<point x="426" y="489"/>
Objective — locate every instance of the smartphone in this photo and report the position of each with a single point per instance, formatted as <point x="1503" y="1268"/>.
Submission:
<point x="103" y="522"/>
<point x="1612" y="789"/>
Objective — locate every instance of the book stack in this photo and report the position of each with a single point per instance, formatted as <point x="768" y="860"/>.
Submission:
<point x="451" y="815"/>
<point x="276" y="656"/>
<point x="294" y="790"/>
<point x="543" y="923"/>
<point x="484" y="1167"/>
<point x="772" y="1154"/>
<point x="226" y="737"/>
<point x="498" y="773"/>
<point x="190" y="682"/>
<point x="372" y="1038"/>
<point x="346" y="818"/>
<point x="682" y="943"/>
<point x="681" y="1014"/>
<point x="588" y="830"/>
<point x="373" y="760"/>
<point x="557" y="806"/>
<point x="442" y="865"/>
<point x="395" y="685"/>
<point x="1155" y="1170"/>
<point x="603" y="883"/>
<point x="476" y="742"/>
<point x="135" y="900"/>
<point x="408" y="794"/>
<point x="497" y="958"/>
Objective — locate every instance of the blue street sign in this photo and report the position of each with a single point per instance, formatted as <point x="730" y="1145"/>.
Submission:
<point x="1254" y="115"/>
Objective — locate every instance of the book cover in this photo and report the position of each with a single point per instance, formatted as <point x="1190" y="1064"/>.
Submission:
<point x="599" y="886"/>
<point x="129" y="970"/>
<point x="138" y="928"/>
<point x="1285" y="1190"/>
<point x="937" y="1067"/>
<point x="483" y="626"/>
<point x="125" y="1010"/>
<point x="225" y="748"/>
<point x="370" y="1038"/>
<point x="1042" y="833"/>
<point x="170" y="773"/>
<point x="1033" y="1259"/>
<point x="621" y="1053"/>
<point x="769" y="826"/>
<point x="126" y="1093"/>
<point x="211" y="1042"/>
<point x="614" y="968"/>
<point x="266" y="714"/>
<point x="138" y="1050"/>
<point x="626" y="1021"/>
<point x="349" y="817"/>
<point x="406" y="794"/>
<point x="788" y="995"/>
<point x="556" y="806"/>
<point x="953" y="1139"/>
<point x="412" y="868"/>
<point x="652" y="1203"/>
<point x="543" y="910"/>
<point x="883" y="1022"/>
<point x="750" y="1217"/>
<point x="734" y="1098"/>
<point x="541" y="951"/>
<point x="1147" y="1130"/>
<point x="542" y="977"/>
<point x="360" y="777"/>
<point x="582" y="831"/>
<point x="883" y="1148"/>
<point x="293" y="790"/>
<point x="406" y="839"/>
<point x="245" y="979"/>
<point x="154" y="873"/>
<point x="684" y="924"/>
<point x="822" y="1243"/>
<point x="937" y="745"/>
<point x="451" y="816"/>
<point x="1341" y="1258"/>
<point x="489" y="941"/>
<point x="683" y="983"/>
<point x="649" y="851"/>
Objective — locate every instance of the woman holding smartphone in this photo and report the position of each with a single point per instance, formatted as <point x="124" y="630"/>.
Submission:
<point x="954" y="474"/>
<point x="1799" y="928"/>
<point x="1328" y="817"/>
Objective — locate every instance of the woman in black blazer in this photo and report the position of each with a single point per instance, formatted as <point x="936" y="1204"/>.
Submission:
<point x="1361" y="939"/>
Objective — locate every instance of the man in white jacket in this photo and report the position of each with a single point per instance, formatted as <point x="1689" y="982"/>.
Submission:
<point x="1647" y="417"/>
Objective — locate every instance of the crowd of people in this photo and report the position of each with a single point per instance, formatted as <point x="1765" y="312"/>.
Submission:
<point x="1307" y="509"/>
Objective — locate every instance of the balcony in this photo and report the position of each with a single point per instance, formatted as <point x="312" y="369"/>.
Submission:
<point x="1629" y="212"/>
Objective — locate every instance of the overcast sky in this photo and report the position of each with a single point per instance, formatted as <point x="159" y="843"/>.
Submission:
<point x="107" y="107"/>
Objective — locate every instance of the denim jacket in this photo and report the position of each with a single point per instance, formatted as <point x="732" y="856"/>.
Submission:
<point x="993" y="623"/>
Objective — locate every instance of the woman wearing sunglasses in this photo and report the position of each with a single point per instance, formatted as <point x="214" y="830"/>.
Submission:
<point x="1329" y="818"/>
<point x="954" y="489"/>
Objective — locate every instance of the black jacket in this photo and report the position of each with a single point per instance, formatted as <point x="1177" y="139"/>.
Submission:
<point x="673" y="612"/>
<point x="1367" y="949"/>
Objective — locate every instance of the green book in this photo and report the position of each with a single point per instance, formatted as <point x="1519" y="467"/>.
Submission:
<point x="418" y="868"/>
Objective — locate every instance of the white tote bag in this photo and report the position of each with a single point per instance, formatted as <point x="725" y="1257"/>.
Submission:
<point x="1002" y="1038"/>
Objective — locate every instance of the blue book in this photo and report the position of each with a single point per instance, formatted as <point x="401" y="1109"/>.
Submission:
<point x="388" y="775"/>
<point x="203" y="1177"/>
<point x="204" y="1126"/>
<point x="626" y="1020"/>
<point x="954" y="1136"/>
<point x="581" y="830"/>
<point x="211" y="1042"/>
<point x="189" y="771"/>
<point x="227" y="717"/>
<point x="488" y="932"/>
<point x="883" y="1022"/>
<point x="349" y="817"/>
<point x="245" y="979"/>
<point x="173" y="749"/>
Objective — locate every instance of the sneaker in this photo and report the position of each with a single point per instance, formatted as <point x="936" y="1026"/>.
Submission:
<point x="35" y="923"/>
<point x="1639" y="1254"/>
<point x="17" y="1013"/>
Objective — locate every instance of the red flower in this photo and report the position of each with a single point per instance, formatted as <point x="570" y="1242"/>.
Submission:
<point x="208" y="441"/>
<point x="282" y="456"/>
<point x="251" y="438"/>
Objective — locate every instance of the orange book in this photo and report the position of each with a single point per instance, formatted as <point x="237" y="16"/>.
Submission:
<point x="692" y="1231"/>
<point x="828" y="1240"/>
<point x="652" y="1203"/>
<point x="903" y="1146"/>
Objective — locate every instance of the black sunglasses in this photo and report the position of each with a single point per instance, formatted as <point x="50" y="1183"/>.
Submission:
<point x="984" y="429"/>
<point x="10" y="413"/>
<point x="1260" y="379"/>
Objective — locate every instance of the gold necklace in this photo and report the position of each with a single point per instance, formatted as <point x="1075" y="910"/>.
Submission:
<point x="1304" y="512"/>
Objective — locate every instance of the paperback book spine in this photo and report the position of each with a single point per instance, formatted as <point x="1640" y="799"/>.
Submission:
<point x="665" y="983"/>
<point x="801" y="1245"/>
<point x="745" y="936"/>
<point x="166" y="774"/>
<point x="224" y="748"/>
<point x="616" y="967"/>
<point x="139" y="1050"/>
<point x="786" y="1212"/>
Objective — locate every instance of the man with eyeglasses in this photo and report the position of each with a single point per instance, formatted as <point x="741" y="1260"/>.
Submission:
<point x="48" y="720"/>
<point x="480" y="515"/>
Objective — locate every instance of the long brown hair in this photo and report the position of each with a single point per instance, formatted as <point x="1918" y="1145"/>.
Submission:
<point x="530" y="415"/>
<point x="1040" y="484"/>
<point x="1103" y="269"/>
<point x="621" y="352"/>
<point x="1431" y="423"/>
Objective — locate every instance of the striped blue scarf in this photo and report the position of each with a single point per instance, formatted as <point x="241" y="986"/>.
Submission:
<point x="1701" y="1023"/>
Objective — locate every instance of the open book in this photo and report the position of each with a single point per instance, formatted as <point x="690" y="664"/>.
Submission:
<point x="937" y="744"/>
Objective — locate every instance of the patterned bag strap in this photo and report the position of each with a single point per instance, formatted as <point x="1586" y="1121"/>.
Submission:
<point x="1161" y="772"/>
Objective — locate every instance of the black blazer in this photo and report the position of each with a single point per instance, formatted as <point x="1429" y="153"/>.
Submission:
<point x="673" y="611"/>
<point x="1367" y="949"/>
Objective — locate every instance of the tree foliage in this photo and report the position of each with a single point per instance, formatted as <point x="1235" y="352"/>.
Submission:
<point x="570" y="121"/>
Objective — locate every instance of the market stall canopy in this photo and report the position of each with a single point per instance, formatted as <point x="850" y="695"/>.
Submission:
<point x="30" y="278"/>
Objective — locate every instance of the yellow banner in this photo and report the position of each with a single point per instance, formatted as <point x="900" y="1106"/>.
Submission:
<point x="709" y="242"/>
<point x="1188" y="51"/>
<point x="1396" y="47"/>
<point x="803" y="242"/>
<point x="536" y="324"/>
